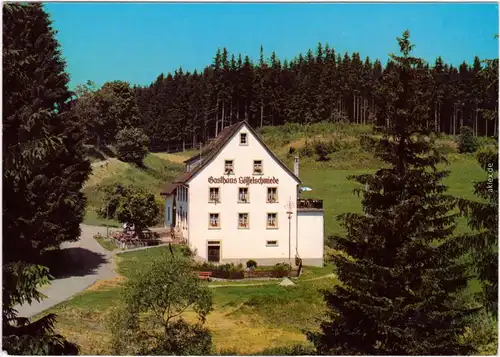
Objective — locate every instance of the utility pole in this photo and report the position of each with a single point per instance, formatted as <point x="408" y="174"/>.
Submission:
<point x="289" y="212"/>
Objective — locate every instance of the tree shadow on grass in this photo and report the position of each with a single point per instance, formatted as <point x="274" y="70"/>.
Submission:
<point x="74" y="261"/>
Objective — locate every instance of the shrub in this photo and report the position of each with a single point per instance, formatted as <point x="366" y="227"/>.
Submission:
<point x="466" y="141"/>
<point x="251" y="264"/>
<point x="307" y="150"/>
<point x="132" y="145"/>
<point x="222" y="271"/>
<point x="291" y="150"/>
<point x="281" y="269"/>
<point x="186" y="251"/>
<point x="367" y="143"/>
<point x="323" y="149"/>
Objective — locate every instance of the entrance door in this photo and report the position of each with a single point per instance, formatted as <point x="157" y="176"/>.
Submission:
<point x="213" y="251"/>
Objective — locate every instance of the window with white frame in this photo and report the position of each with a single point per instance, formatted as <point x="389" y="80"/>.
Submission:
<point x="272" y="220"/>
<point x="257" y="167"/>
<point x="243" y="220"/>
<point x="214" y="220"/>
<point x="271" y="243"/>
<point x="243" y="139"/>
<point x="243" y="195"/>
<point x="214" y="194"/>
<point x="228" y="167"/>
<point x="272" y="194"/>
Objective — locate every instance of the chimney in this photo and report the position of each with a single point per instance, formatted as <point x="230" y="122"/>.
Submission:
<point x="296" y="166"/>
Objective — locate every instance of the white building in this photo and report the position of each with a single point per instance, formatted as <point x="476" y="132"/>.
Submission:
<point x="237" y="201"/>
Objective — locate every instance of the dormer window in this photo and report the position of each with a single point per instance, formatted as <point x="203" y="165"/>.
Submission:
<point x="228" y="167"/>
<point x="243" y="139"/>
<point x="257" y="167"/>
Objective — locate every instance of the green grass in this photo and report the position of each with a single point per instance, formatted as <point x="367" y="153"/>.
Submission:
<point x="255" y="317"/>
<point x="106" y="243"/>
<point x="130" y="262"/>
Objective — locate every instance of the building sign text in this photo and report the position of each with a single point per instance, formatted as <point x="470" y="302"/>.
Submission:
<point x="246" y="180"/>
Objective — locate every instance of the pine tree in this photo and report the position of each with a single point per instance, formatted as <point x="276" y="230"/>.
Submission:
<point x="44" y="171"/>
<point x="400" y="282"/>
<point x="483" y="219"/>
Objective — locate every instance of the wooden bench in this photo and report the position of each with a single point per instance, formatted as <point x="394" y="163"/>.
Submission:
<point x="205" y="275"/>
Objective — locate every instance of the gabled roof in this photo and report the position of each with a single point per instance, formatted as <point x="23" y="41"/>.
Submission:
<point x="169" y="190"/>
<point x="217" y="145"/>
<point x="224" y="136"/>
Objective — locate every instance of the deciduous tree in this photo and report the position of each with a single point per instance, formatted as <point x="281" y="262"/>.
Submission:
<point x="155" y="301"/>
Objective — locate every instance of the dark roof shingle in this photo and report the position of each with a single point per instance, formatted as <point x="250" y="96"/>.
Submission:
<point x="215" y="146"/>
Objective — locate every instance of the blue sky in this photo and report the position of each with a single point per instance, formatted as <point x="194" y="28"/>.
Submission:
<point x="135" y="42"/>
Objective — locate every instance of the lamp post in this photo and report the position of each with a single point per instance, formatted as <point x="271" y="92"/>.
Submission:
<point x="289" y="212"/>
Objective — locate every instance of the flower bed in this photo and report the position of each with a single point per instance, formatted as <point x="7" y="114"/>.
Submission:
<point x="237" y="272"/>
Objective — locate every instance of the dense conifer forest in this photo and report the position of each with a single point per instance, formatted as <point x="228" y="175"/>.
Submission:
<point x="183" y="109"/>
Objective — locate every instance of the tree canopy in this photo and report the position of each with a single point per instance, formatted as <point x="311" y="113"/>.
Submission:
<point x="155" y="300"/>
<point x="44" y="170"/>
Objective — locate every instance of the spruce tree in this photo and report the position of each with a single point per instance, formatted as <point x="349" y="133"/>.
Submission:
<point x="483" y="219"/>
<point x="44" y="170"/>
<point x="401" y="283"/>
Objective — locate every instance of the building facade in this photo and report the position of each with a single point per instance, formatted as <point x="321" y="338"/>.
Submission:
<point x="237" y="201"/>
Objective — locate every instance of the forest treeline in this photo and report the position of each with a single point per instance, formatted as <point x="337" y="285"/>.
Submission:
<point x="183" y="109"/>
<point x="186" y="108"/>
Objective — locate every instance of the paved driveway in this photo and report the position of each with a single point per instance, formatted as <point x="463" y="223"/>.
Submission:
<point x="82" y="264"/>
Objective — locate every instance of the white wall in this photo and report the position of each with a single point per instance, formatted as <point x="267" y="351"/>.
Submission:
<point x="169" y="203"/>
<point x="311" y="237"/>
<point x="237" y="243"/>
<point x="182" y="206"/>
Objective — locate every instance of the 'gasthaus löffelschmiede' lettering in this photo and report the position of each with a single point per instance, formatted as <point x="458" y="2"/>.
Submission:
<point x="245" y="180"/>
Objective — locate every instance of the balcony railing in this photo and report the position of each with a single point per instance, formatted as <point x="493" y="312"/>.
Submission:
<point x="309" y="203"/>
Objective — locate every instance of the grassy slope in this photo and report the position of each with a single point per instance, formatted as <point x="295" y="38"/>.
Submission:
<point x="262" y="316"/>
<point x="255" y="317"/>
<point x="157" y="172"/>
